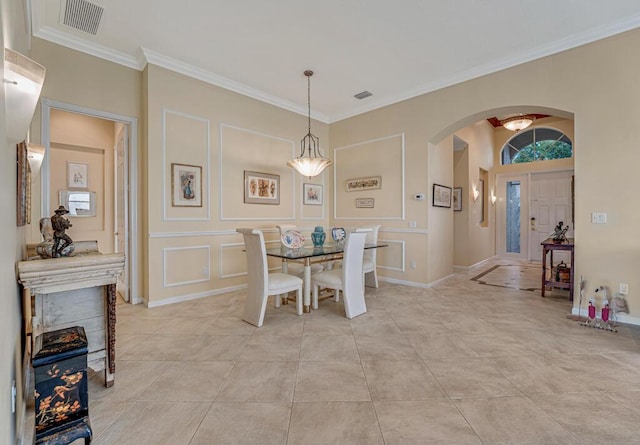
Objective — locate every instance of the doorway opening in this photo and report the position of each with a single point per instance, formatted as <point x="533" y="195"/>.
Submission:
<point x="114" y="168"/>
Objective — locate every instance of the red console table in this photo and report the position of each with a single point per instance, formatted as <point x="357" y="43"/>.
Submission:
<point x="548" y="247"/>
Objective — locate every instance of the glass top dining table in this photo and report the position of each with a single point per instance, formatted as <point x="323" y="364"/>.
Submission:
<point x="310" y="254"/>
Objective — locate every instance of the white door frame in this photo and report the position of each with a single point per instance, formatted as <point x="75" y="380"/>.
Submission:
<point x="121" y="234"/>
<point x="132" y="155"/>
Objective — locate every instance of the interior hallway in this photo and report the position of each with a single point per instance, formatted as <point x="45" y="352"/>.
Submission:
<point x="460" y="363"/>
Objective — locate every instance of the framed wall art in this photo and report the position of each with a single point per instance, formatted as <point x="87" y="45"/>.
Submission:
<point x="312" y="194"/>
<point x="369" y="183"/>
<point x="78" y="203"/>
<point x="23" y="189"/>
<point x="77" y="175"/>
<point x="365" y="203"/>
<point x="261" y="188"/>
<point x="457" y="199"/>
<point x="186" y="185"/>
<point x="441" y="196"/>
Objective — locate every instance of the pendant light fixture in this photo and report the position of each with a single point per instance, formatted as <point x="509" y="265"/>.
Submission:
<point x="517" y="123"/>
<point x="310" y="162"/>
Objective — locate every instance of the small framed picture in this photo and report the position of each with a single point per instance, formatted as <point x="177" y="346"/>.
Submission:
<point x="369" y="183"/>
<point x="79" y="203"/>
<point x="312" y="194"/>
<point x="457" y="199"/>
<point x="441" y="196"/>
<point x="261" y="188"/>
<point x="77" y="175"/>
<point x="186" y="185"/>
<point x="365" y="203"/>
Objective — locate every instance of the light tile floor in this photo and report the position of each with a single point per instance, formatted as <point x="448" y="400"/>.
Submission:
<point x="460" y="363"/>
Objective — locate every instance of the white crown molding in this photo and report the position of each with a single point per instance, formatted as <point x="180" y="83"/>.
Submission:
<point x="567" y="43"/>
<point x="223" y="82"/>
<point x="84" y="46"/>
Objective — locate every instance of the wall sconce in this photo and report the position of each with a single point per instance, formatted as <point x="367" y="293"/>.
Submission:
<point x="476" y="193"/>
<point x="23" y="79"/>
<point x="494" y="198"/>
<point x="35" y="155"/>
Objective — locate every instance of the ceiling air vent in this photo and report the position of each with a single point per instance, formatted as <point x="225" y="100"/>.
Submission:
<point x="363" y="95"/>
<point x="82" y="15"/>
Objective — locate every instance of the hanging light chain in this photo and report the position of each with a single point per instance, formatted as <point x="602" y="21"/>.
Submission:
<point x="313" y="163"/>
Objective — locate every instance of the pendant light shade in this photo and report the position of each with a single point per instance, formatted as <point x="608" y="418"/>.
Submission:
<point x="310" y="162"/>
<point x="517" y="123"/>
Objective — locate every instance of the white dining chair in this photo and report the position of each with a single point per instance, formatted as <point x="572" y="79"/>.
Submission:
<point x="261" y="283"/>
<point x="348" y="279"/>
<point x="369" y="264"/>
<point x="294" y="268"/>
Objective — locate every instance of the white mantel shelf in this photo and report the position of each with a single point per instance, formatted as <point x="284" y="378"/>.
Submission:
<point x="45" y="276"/>
<point x="77" y="290"/>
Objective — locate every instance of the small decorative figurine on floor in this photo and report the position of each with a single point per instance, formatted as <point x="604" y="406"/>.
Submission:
<point x="604" y="321"/>
<point x="618" y="305"/>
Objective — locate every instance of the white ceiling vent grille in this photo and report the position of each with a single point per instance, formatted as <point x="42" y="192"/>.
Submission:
<point x="82" y="15"/>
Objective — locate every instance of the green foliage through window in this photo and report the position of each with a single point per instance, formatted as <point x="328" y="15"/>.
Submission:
<point x="537" y="144"/>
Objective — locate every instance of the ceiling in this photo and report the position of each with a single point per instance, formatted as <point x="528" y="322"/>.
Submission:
<point x="394" y="49"/>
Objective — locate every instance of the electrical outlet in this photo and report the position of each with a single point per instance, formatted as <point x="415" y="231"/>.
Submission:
<point x="598" y="218"/>
<point x="624" y="288"/>
<point x="412" y="224"/>
<point x="413" y="264"/>
<point x="205" y="271"/>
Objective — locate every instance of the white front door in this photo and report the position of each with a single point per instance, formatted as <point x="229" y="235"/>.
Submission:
<point x="512" y="216"/>
<point x="550" y="204"/>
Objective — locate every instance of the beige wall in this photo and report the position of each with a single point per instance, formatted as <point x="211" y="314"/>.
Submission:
<point x="440" y="222"/>
<point x="88" y="140"/>
<point x="477" y="241"/>
<point x="194" y="251"/>
<point x="13" y="35"/>
<point x="596" y="84"/>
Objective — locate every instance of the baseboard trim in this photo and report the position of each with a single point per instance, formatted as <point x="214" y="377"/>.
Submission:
<point x="188" y="297"/>
<point x="467" y="268"/>
<point x="404" y="282"/>
<point x="433" y="283"/>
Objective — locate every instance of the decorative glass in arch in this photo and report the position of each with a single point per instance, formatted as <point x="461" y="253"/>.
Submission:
<point x="536" y="144"/>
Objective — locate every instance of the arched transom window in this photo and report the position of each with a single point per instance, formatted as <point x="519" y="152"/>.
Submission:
<point x="536" y="144"/>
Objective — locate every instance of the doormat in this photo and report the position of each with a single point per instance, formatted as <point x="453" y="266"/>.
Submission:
<point x="512" y="276"/>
